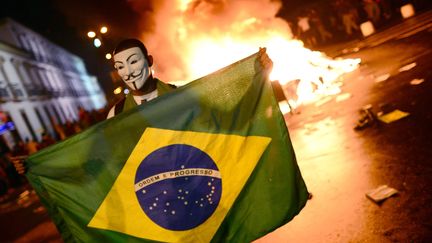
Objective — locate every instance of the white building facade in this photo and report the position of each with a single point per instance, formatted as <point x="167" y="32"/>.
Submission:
<point x="41" y="84"/>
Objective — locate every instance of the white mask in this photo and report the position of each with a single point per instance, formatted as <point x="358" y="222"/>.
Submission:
<point x="133" y="67"/>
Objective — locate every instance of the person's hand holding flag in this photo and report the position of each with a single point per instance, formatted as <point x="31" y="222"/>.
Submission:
<point x="263" y="62"/>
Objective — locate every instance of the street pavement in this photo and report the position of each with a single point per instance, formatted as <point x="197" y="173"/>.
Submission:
<point x="339" y="164"/>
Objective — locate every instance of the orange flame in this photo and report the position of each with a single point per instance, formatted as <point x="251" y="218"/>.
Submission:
<point x="197" y="37"/>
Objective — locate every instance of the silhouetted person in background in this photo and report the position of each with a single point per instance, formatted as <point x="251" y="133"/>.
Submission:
<point x="31" y="146"/>
<point x="46" y="141"/>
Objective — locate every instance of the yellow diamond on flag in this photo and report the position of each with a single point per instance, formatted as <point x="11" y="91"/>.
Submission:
<point x="178" y="186"/>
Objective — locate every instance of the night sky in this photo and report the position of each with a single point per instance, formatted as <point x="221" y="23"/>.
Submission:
<point x="66" y="22"/>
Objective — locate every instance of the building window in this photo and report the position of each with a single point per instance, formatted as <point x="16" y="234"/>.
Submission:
<point x="41" y="120"/>
<point x="17" y="90"/>
<point x="25" y="45"/>
<point x="4" y="93"/>
<point x="52" y="119"/>
<point x="62" y="112"/>
<point x="27" y="122"/>
<point x="57" y="114"/>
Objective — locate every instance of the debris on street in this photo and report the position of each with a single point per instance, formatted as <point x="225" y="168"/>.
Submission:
<point x="367" y="117"/>
<point x="393" y="116"/>
<point x="381" y="193"/>
<point x="350" y="50"/>
<point x="343" y="97"/>
<point x="382" y="78"/>
<point x="416" y="81"/>
<point x="407" y="67"/>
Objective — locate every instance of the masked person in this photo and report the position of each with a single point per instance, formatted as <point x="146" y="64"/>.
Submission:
<point x="133" y="64"/>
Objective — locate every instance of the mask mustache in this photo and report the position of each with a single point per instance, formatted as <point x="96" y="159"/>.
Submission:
<point x="132" y="76"/>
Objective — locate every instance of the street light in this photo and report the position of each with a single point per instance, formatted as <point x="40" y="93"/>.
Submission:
<point x="103" y="29"/>
<point x="97" y="38"/>
<point x="97" y="43"/>
<point x="118" y="90"/>
<point x="91" y="34"/>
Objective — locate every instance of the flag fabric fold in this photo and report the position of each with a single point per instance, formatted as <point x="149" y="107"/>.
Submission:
<point x="210" y="161"/>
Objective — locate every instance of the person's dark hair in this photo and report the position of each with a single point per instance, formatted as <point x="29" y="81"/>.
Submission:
<point x="130" y="43"/>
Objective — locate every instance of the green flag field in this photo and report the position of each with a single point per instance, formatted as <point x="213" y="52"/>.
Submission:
<point x="211" y="161"/>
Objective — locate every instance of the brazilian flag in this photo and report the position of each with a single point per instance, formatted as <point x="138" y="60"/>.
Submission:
<point x="209" y="162"/>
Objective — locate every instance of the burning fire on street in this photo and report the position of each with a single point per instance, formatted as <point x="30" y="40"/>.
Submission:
<point x="192" y="38"/>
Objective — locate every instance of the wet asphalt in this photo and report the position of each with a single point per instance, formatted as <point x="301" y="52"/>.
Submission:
<point x="341" y="164"/>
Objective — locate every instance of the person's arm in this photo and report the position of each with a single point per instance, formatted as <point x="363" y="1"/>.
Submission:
<point x="263" y="62"/>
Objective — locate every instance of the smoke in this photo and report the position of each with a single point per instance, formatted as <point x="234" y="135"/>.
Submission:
<point x="174" y="31"/>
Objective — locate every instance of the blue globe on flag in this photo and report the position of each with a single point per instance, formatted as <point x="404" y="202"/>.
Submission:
<point x="178" y="186"/>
